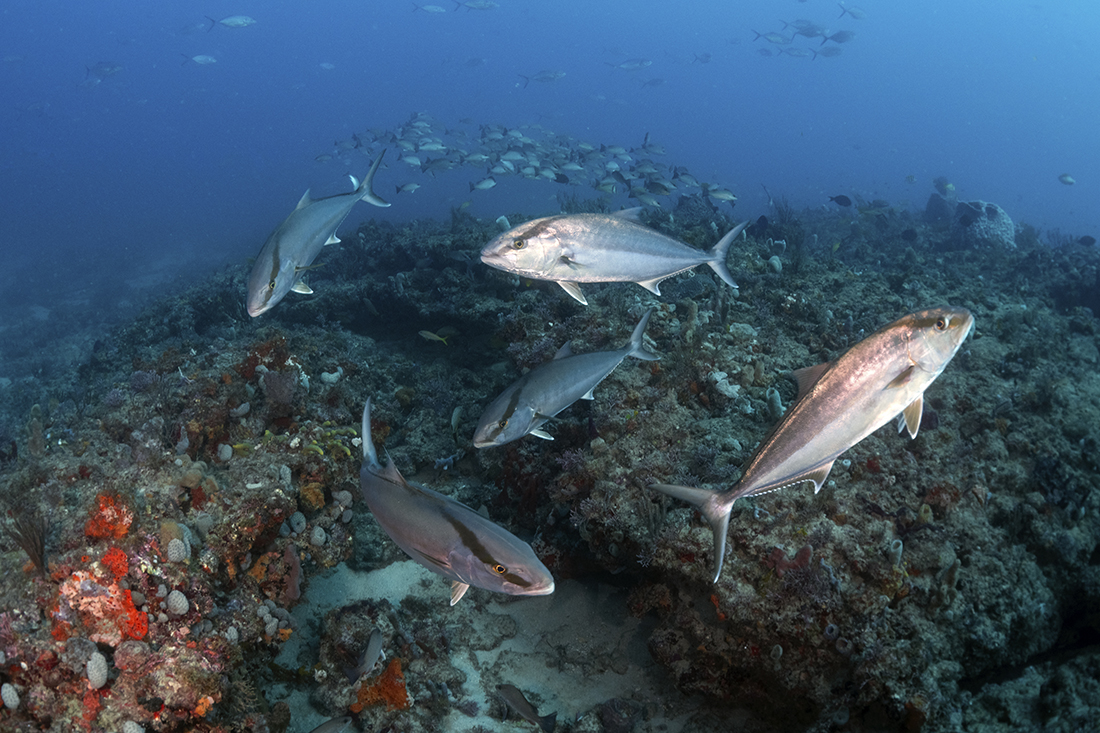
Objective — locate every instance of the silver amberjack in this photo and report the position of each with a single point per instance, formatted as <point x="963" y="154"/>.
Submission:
<point x="839" y="404"/>
<point x="292" y="247"/>
<point x="448" y="537"/>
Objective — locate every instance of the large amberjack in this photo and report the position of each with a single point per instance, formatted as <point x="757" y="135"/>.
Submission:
<point x="446" y="536"/>
<point x="839" y="404"/>
<point x="571" y="249"/>
<point x="293" y="246"/>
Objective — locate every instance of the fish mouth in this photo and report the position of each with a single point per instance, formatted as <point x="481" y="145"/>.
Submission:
<point x="491" y="258"/>
<point x="541" y="590"/>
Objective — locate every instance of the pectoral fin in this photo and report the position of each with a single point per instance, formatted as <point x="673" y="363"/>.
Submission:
<point x="458" y="589"/>
<point x="909" y="419"/>
<point x="333" y="239"/>
<point x="902" y="379"/>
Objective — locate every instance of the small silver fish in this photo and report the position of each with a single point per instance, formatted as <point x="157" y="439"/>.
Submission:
<point x="371" y="655"/>
<point x="548" y="389"/>
<point x="571" y="249"/>
<point x="201" y="59"/>
<point x="839" y="404"/>
<point x="295" y="243"/>
<point x="445" y="536"/>
<point x="484" y="184"/>
<point x="233" y="21"/>
<point x="515" y="699"/>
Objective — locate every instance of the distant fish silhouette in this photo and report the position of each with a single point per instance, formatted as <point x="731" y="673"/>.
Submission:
<point x="841" y="200"/>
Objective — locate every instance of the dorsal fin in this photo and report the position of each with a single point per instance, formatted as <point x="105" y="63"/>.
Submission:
<point x="566" y="350"/>
<point x="808" y="376"/>
<point x="629" y="214"/>
<point x="304" y="201"/>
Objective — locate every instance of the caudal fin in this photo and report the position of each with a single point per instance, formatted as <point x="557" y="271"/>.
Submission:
<point x="637" y="348"/>
<point x="547" y="722"/>
<point x="714" y="506"/>
<point x="719" y="252"/>
<point x="370" y="454"/>
<point x="366" y="188"/>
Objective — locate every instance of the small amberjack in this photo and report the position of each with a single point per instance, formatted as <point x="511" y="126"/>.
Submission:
<point x="839" y="404"/>
<point x="293" y="246"/>
<point x="546" y="390"/>
<point x="571" y="249"/>
<point x="445" y="536"/>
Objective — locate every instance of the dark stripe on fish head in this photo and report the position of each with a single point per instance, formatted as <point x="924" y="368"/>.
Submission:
<point x="472" y="543"/>
<point x="502" y="424"/>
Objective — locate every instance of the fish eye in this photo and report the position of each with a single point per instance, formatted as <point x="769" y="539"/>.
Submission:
<point x="941" y="324"/>
<point x="499" y="569"/>
<point x="502" y="424"/>
<point x="271" y="285"/>
<point x="519" y="243"/>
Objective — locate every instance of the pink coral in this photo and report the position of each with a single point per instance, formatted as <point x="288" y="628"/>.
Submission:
<point x="107" y="612"/>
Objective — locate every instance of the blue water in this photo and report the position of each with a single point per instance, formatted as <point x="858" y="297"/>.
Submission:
<point x="167" y="169"/>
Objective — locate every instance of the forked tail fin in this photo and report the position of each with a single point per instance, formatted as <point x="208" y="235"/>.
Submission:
<point x="715" y="506"/>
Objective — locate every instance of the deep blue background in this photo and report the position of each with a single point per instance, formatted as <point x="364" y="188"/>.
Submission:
<point x="165" y="170"/>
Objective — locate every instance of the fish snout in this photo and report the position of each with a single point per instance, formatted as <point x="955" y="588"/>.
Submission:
<point x="542" y="589"/>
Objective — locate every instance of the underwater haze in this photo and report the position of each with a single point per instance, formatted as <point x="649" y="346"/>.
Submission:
<point x="124" y="167"/>
<point x="645" y="467"/>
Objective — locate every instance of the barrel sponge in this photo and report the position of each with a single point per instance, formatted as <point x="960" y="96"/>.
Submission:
<point x="982" y="224"/>
<point x="177" y="603"/>
<point x="97" y="670"/>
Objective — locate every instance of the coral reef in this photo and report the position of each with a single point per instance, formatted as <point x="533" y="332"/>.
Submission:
<point x="206" y="475"/>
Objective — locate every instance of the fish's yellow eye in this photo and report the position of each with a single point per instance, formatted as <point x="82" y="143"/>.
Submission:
<point x="941" y="324"/>
<point x="271" y="285"/>
<point x="502" y="424"/>
<point x="499" y="569"/>
<point x="519" y="243"/>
